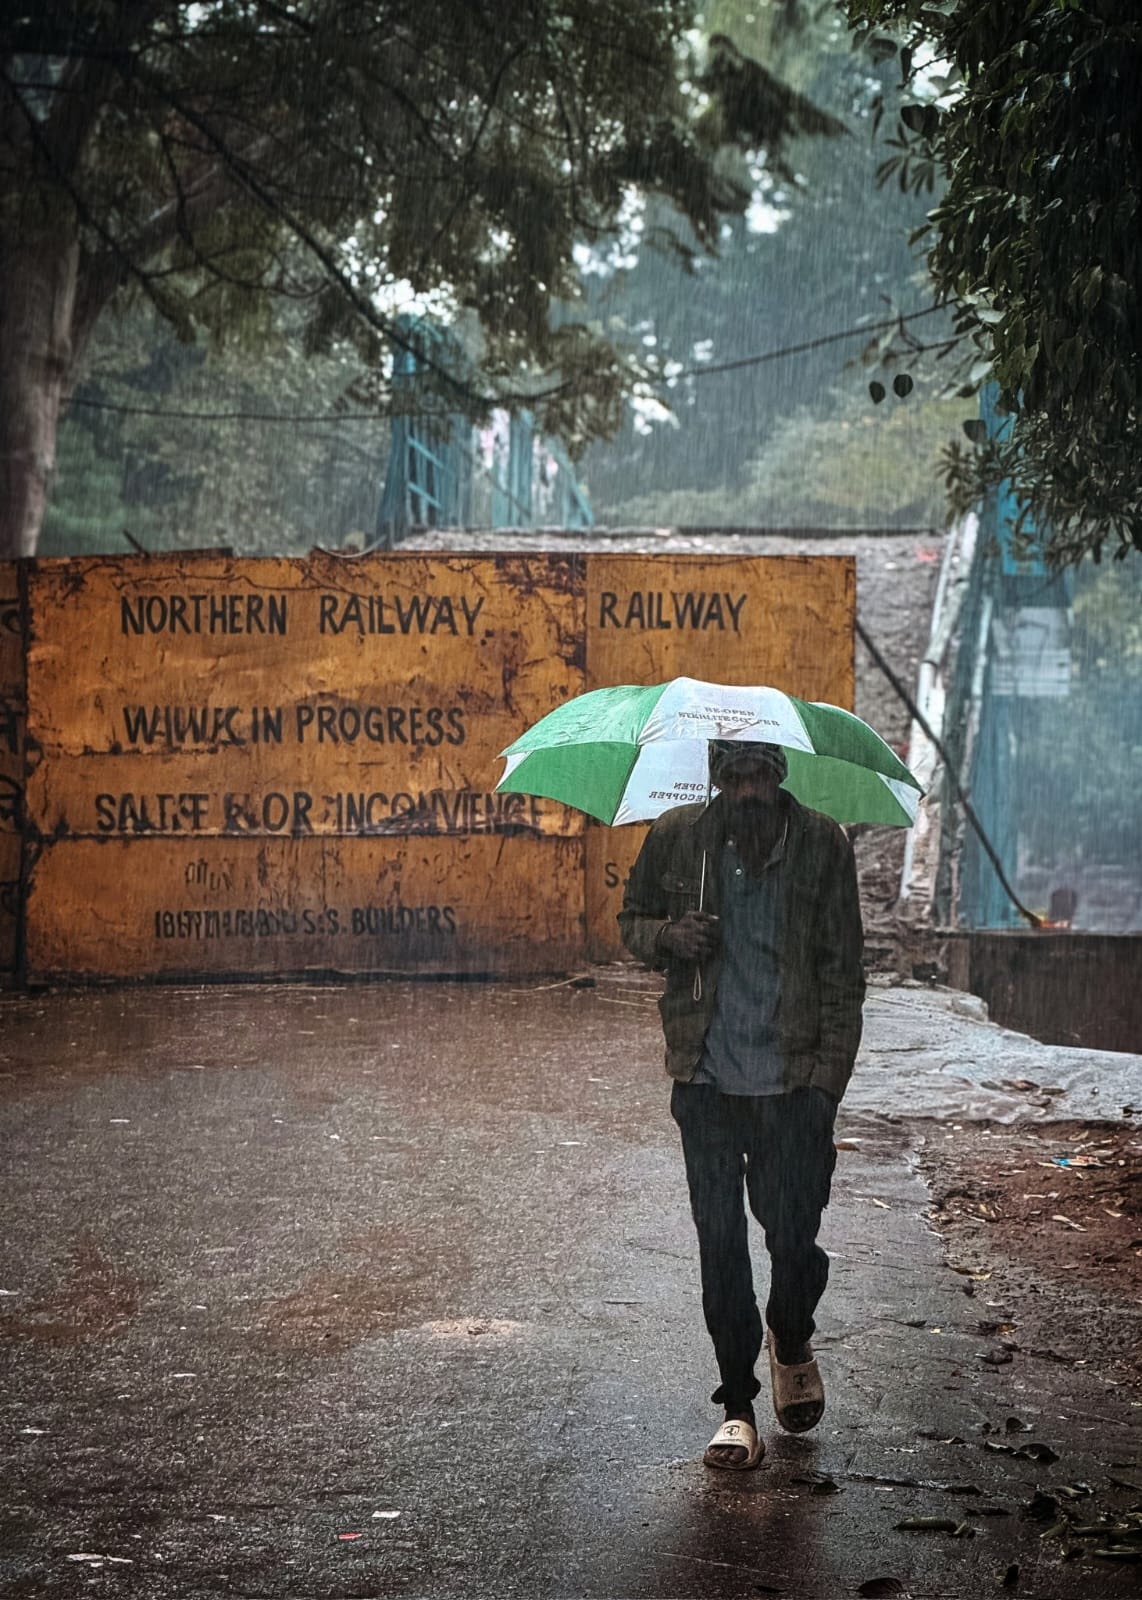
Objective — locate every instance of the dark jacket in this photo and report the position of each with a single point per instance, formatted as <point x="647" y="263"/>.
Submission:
<point x="821" y="977"/>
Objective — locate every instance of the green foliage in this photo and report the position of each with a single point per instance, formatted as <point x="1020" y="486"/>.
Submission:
<point x="189" y="466"/>
<point x="1029" y="113"/>
<point x="509" y="275"/>
<point x="86" y="514"/>
<point x="818" y="252"/>
<point x="351" y="156"/>
<point x="850" y="468"/>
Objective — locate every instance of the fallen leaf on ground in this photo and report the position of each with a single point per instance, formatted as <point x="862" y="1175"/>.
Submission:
<point x="1056" y="1530"/>
<point x="927" y="1525"/>
<point x="818" y="1482"/>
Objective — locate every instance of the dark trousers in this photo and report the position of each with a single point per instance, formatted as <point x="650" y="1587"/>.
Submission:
<point x="780" y="1149"/>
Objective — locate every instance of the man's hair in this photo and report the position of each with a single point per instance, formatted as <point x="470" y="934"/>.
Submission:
<point x="723" y="752"/>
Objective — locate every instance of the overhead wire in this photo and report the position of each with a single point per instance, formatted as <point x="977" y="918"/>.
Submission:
<point x="701" y="370"/>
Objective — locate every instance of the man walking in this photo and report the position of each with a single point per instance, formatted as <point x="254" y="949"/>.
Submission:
<point x="750" y="906"/>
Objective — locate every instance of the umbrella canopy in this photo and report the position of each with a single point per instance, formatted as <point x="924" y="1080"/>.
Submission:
<point x="630" y="753"/>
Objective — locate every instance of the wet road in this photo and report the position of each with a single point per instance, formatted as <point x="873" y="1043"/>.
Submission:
<point x="391" y="1291"/>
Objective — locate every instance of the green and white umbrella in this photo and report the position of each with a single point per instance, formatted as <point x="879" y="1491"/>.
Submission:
<point x="630" y="753"/>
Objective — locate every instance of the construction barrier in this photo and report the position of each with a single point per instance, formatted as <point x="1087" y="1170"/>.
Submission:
<point x="268" y="768"/>
<point x="786" y="621"/>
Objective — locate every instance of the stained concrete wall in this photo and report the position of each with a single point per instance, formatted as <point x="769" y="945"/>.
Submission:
<point x="1062" y="988"/>
<point x="219" y="767"/>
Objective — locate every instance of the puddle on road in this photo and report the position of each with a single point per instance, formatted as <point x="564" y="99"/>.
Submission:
<point x="97" y="1301"/>
<point x="402" y="1277"/>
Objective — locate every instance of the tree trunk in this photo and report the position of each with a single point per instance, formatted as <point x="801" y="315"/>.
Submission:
<point x="36" y="353"/>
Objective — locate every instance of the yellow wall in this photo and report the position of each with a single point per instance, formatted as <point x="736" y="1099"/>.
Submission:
<point x="273" y="767"/>
<point x="786" y="621"/>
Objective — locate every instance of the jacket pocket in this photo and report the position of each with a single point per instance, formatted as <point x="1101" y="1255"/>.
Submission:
<point x="683" y="1027"/>
<point x="681" y="894"/>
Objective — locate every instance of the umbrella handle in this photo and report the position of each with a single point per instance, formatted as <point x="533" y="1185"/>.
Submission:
<point x="697" y="989"/>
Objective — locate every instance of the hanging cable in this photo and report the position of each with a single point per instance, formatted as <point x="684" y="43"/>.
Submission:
<point x="706" y="369"/>
<point x="918" y="716"/>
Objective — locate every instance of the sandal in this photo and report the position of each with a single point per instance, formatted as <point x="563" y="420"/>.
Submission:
<point x="742" y="1436"/>
<point x="798" y="1391"/>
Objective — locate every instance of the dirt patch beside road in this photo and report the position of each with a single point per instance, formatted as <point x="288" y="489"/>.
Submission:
<point x="1045" y="1226"/>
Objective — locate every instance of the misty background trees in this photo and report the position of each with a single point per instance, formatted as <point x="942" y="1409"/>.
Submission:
<point x="644" y="220"/>
<point x="255" y="173"/>
<point x="746" y="219"/>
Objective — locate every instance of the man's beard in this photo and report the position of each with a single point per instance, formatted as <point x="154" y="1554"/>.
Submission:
<point x="751" y="817"/>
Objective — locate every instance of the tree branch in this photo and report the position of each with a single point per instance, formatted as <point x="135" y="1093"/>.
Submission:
<point x="127" y="267"/>
<point x="260" y="191"/>
<point x="75" y="113"/>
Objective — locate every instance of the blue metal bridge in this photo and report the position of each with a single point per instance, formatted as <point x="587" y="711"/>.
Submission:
<point x="1007" y="704"/>
<point x="444" y="472"/>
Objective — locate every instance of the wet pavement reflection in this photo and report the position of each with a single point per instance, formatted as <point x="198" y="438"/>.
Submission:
<point x="392" y="1290"/>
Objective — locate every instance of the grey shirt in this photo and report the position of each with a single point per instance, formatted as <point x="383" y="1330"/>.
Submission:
<point x="742" y="1053"/>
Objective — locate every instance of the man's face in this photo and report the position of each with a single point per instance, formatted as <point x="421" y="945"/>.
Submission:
<point x="751" y="793"/>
